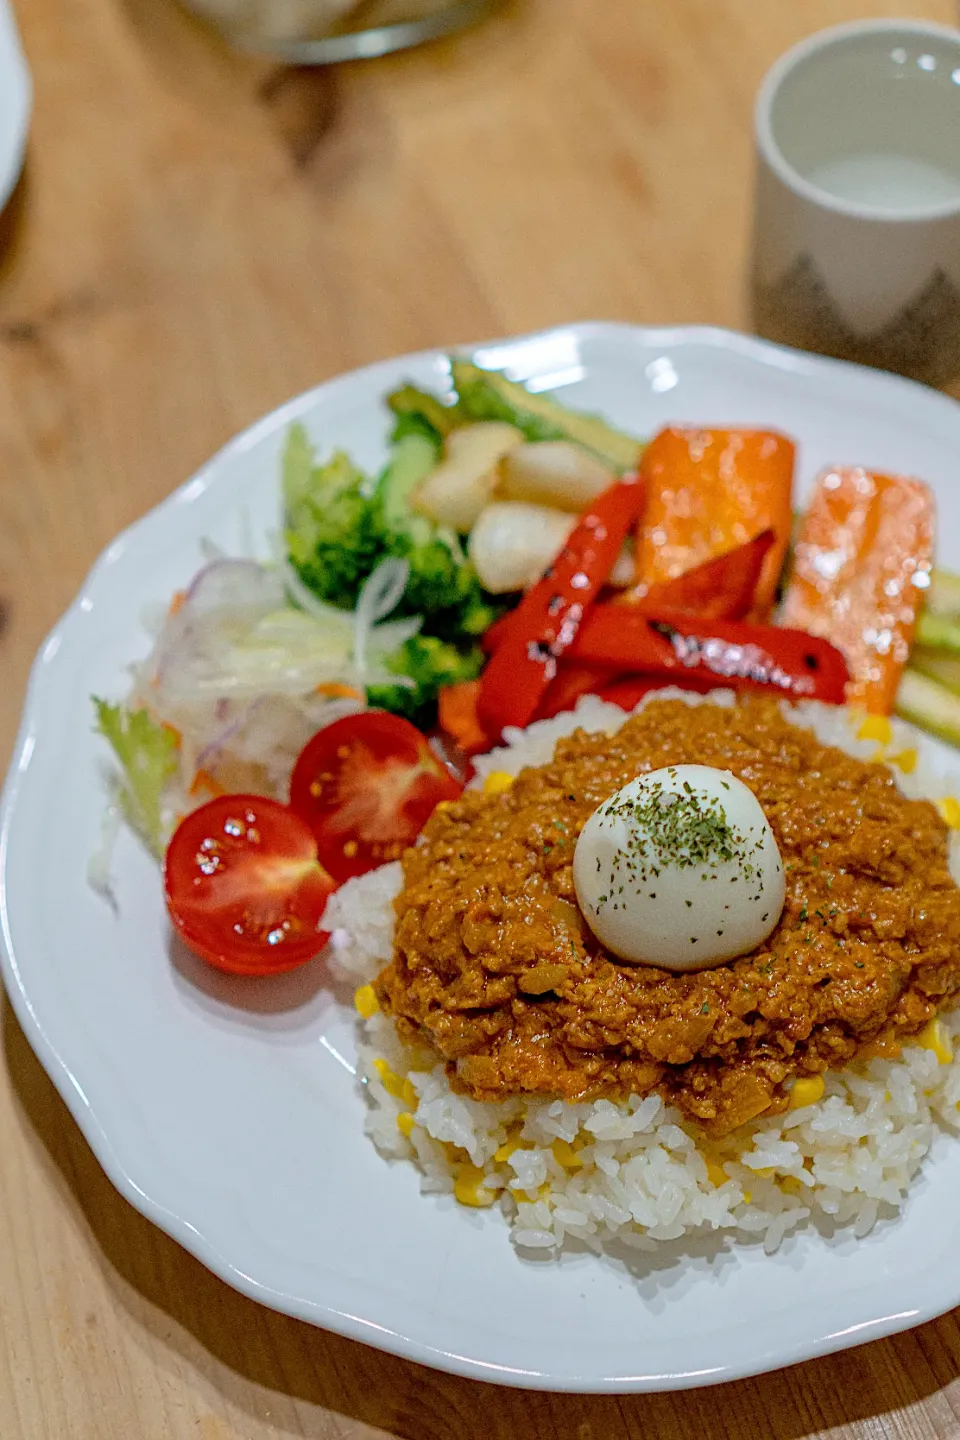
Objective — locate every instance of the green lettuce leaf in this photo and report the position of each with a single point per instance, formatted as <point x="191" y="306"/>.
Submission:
<point x="147" y="753"/>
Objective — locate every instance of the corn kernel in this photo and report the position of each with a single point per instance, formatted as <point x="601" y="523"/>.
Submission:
<point x="365" y="999"/>
<point x="532" y="1196"/>
<point x="469" y="1188"/>
<point x="409" y="1096"/>
<point x="390" y="1082"/>
<point x="790" y="1185"/>
<point x="806" y="1091"/>
<point x="905" y="760"/>
<point x="934" y="1037"/>
<point x="498" y="782"/>
<point x="565" y="1155"/>
<point x="876" y="727"/>
<point x="716" y="1173"/>
<point x="405" y="1123"/>
<point x="512" y="1143"/>
<point x="949" y="808"/>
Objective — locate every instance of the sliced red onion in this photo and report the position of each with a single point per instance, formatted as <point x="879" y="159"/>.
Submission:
<point x="239" y="591"/>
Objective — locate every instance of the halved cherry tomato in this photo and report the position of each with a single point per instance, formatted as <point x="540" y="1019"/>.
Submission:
<point x="366" y="786"/>
<point x="244" y="886"/>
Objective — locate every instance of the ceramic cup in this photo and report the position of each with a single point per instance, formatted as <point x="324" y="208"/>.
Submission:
<point x="857" y="233"/>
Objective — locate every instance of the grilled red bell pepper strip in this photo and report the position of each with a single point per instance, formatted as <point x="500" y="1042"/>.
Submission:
<point x="628" y="690"/>
<point x="732" y="652"/>
<point x="724" y="588"/>
<point x="570" y="683"/>
<point x="548" y="617"/>
<point x="497" y="632"/>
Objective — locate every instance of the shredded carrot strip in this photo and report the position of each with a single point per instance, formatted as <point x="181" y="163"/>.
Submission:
<point x="334" y="691"/>
<point x="203" y="780"/>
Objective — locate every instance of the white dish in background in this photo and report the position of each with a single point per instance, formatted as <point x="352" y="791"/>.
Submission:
<point x="15" y="99"/>
<point x="225" y="1110"/>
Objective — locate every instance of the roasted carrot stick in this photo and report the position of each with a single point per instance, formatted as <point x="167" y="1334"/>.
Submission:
<point x="707" y="492"/>
<point x="862" y="565"/>
<point x="457" y="713"/>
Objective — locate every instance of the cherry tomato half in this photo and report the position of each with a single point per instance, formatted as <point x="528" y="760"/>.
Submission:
<point x="366" y="786"/>
<point x="244" y="886"/>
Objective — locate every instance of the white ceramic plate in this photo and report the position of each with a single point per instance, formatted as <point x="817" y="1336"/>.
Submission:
<point x="226" y="1110"/>
<point x="14" y="103"/>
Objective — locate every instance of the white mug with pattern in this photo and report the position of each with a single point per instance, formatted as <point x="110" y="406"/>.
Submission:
<point x="857" y="221"/>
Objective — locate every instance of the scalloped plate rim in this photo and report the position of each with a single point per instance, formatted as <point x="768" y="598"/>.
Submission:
<point x="109" y="1155"/>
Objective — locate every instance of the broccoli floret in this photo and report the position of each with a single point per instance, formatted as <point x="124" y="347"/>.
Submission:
<point x="340" y="526"/>
<point x="331" y="530"/>
<point x="443" y="586"/>
<point x="431" y="663"/>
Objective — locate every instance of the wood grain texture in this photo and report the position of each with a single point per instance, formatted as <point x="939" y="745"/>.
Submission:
<point x="198" y="236"/>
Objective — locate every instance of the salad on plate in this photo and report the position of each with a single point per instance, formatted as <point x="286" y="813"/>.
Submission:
<point x="299" y="718"/>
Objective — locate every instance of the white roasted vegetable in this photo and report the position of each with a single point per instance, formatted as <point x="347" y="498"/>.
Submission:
<point x="462" y="484"/>
<point x="513" y="543"/>
<point x="553" y="472"/>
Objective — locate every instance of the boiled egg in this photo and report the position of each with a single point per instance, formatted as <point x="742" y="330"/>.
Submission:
<point x="680" y="869"/>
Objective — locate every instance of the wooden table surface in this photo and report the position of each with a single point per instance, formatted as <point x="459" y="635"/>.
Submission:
<point x="197" y="237"/>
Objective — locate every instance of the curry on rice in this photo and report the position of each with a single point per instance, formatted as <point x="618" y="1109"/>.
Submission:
<point x="495" y="970"/>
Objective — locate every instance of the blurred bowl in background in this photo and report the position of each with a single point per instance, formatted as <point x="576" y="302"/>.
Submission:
<point x="323" y="32"/>
<point x="15" y="102"/>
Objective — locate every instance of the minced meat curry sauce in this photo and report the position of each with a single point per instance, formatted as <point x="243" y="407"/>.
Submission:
<point x="496" y="971"/>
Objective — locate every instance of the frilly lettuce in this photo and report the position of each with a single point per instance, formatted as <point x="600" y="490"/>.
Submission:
<point x="147" y="752"/>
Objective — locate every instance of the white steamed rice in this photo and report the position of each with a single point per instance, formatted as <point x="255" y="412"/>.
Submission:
<point x="597" y="1172"/>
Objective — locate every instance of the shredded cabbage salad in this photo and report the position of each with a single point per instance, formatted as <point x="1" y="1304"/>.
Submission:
<point x="247" y="666"/>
